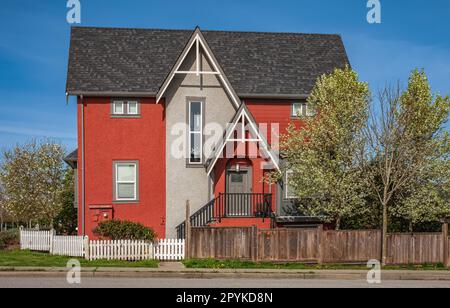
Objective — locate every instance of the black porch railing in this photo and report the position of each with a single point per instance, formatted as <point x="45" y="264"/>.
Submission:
<point x="230" y="206"/>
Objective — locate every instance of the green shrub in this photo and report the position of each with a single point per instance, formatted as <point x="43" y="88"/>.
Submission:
<point x="124" y="230"/>
<point x="9" y="238"/>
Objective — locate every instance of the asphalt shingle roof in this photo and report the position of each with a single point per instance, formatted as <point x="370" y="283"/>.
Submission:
<point x="256" y="63"/>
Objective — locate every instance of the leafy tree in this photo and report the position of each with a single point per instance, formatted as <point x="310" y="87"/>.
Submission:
<point x="32" y="175"/>
<point x="408" y="153"/>
<point x="323" y="156"/>
<point x="2" y="207"/>
<point x="66" y="221"/>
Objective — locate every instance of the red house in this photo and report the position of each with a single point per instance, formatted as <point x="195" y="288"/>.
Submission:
<point x="169" y="116"/>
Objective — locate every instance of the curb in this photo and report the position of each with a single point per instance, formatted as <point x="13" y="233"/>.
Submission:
<point x="20" y="272"/>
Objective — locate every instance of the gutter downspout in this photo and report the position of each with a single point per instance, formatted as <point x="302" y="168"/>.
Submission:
<point x="83" y="175"/>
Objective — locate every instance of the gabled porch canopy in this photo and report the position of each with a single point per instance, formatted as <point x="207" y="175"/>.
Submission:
<point x="243" y="116"/>
<point x="198" y="42"/>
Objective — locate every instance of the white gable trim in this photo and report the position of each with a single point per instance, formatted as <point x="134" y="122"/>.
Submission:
<point x="242" y="115"/>
<point x="199" y="42"/>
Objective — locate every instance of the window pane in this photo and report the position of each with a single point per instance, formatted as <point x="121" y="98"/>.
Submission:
<point x="196" y="117"/>
<point x="310" y="112"/>
<point x="125" y="191"/>
<point x="118" y="108"/>
<point x="196" y="156"/>
<point x="237" y="178"/>
<point x="132" y="108"/>
<point x="289" y="190"/>
<point x="126" y="173"/>
<point x="297" y="110"/>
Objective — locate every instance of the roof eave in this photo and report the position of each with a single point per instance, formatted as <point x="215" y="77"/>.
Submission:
<point x="273" y="96"/>
<point x="112" y="94"/>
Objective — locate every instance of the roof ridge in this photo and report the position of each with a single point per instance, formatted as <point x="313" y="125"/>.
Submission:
<point x="124" y="28"/>
<point x="206" y="30"/>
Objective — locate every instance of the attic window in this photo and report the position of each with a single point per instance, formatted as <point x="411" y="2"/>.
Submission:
<point x="125" y="108"/>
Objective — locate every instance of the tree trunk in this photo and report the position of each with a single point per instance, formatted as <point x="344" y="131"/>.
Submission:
<point x="385" y="231"/>
<point x="338" y="224"/>
<point x="411" y="227"/>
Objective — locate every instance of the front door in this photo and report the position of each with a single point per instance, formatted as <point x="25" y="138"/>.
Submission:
<point x="239" y="189"/>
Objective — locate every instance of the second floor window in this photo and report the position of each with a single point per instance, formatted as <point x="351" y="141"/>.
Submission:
<point x="123" y="108"/>
<point x="302" y="110"/>
<point x="195" y="132"/>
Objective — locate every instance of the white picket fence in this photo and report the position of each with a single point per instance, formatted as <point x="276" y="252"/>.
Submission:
<point x="80" y="246"/>
<point x="126" y="250"/>
<point x="170" y="250"/>
<point x="35" y="240"/>
<point x="71" y="246"/>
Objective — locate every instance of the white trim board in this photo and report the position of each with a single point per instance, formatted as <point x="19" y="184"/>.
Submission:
<point x="242" y="115"/>
<point x="199" y="42"/>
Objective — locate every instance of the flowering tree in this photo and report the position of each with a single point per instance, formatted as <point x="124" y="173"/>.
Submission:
<point x="32" y="177"/>
<point x="408" y="153"/>
<point x="323" y="156"/>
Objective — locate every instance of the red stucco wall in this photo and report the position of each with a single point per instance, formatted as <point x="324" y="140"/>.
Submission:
<point x="110" y="139"/>
<point x="273" y="112"/>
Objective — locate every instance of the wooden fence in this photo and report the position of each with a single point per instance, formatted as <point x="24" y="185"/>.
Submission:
<point x="288" y="245"/>
<point x="223" y="243"/>
<point x="350" y="246"/>
<point x="80" y="246"/>
<point x="415" y="248"/>
<point x="316" y="246"/>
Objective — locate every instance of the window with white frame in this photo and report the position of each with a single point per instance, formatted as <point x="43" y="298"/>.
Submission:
<point x="133" y="108"/>
<point x="124" y="108"/>
<point x="195" y="132"/>
<point x="302" y="110"/>
<point x="118" y="107"/>
<point x="290" y="193"/>
<point x="125" y="181"/>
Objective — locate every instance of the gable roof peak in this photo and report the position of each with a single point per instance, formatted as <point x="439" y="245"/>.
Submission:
<point x="198" y="42"/>
<point x="265" y="64"/>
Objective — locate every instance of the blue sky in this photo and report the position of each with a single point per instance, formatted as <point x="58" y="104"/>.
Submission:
<point x="34" y="41"/>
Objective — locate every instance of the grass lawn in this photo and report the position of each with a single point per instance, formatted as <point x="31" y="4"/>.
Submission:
<point x="24" y="258"/>
<point x="238" y="264"/>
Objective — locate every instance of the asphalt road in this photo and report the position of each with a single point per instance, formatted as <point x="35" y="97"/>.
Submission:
<point x="209" y="283"/>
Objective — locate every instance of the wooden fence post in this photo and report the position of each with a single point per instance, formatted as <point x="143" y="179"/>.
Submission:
<point x="52" y="234"/>
<point x="86" y="248"/>
<point x="187" y="231"/>
<point x="320" y="237"/>
<point x="445" y="242"/>
<point x="254" y="244"/>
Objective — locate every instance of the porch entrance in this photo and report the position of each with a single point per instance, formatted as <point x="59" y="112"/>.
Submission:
<point x="238" y="192"/>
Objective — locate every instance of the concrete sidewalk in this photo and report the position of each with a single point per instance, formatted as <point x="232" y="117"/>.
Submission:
<point x="175" y="272"/>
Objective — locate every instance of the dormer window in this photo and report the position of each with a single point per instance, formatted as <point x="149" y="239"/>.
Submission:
<point x="125" y="108"/>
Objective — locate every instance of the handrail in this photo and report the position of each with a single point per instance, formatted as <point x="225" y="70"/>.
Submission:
<point x="235" y="205"/>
